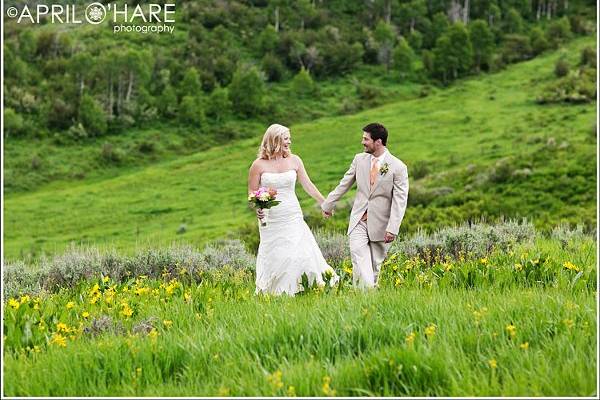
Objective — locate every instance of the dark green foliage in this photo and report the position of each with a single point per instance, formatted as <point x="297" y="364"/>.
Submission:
<point x="13" y="123"/>
<point x="91" y="116"/>
<point x="49" y="70"/>
<point x="561" y="68"/>
<point x="403" y="58"/>
<point x="516" y="48"/>
<point x="273" y="67"/>
<point x="538" y="40"/>
<point x="218" y="106"/>
<point x="246" y="91"/>
<point x="453" y="53"/>
<point x="559" y="31"/>
<point x="588" y="57"/>
<point x="302" y="84"/>
<point x="191" y="111"/>
<point x="482" y="40"/>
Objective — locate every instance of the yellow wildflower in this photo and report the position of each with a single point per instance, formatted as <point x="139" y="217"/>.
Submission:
<point x="70" y="305"/>
<point x="85" y="314"/>
<point x="62" y="327"/>
<point x="24" y="299"/>
<point x="187" y="297"/>
<point x="106" y="279"/>
<point x="274" y="380"/>
<point x="141" y="290"/>
<point x="570" y="266"/>
<point x="511" y="329"/>
<point x="484" y="261"/>
<point x="14" y="303"/>
<point x="430" y="331"/>
<point x="410" y="338"/>
<point x="58" y="340"/>
<point x="291" y="391"/>
<point x="126" y="311"/>
<point x="326" y="386"/>
<point x="153" y="333"/>
<point x="398" y="281"/>
<point x="223" y="391"/>
<point x="518" y="267"/>
<point x="568" y="323"/>
<point x="524" y="346"/>
<point x="493" y="364"/>
<point x="167" y="323"/>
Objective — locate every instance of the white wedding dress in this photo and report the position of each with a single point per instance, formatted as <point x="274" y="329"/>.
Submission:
<point x="287" y="247"/>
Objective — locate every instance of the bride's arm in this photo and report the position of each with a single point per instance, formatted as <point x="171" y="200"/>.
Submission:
<point x="306" y="183"/>
<point x="253" y="177"/>
<point x="254" y="181"/>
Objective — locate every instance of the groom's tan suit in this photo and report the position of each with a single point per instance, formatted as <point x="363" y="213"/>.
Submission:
<point x="378" y="208"/>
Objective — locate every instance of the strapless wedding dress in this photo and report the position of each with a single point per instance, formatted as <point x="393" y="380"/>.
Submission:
<point x="287" y="247"/>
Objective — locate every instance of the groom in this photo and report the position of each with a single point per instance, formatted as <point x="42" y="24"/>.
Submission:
<point x="379" y="206"/>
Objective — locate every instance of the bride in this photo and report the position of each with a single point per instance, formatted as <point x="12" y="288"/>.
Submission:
<point x="287" y="247"/>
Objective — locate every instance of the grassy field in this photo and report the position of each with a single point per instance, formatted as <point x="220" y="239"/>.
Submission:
<point x="462" y="136"/>
<point x="519" y="322"/>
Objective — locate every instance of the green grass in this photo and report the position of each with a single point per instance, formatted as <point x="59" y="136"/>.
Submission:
<point x="222" y="340"/>
<point x="460" y="132"/>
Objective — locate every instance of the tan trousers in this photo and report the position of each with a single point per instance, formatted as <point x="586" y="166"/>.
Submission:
<point x="366" y="256"/>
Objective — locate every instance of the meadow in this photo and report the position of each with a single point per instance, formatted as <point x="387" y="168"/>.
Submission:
<point x="483" y="148"/>
<point x="495" y="311"/>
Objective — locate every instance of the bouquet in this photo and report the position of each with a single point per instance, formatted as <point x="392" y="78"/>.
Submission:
<point x="263" y="198"/>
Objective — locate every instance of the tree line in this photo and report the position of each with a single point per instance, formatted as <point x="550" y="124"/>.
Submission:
<point x="226" y="55"/>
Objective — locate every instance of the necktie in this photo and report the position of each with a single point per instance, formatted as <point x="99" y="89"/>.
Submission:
<point x="374" y="171"/>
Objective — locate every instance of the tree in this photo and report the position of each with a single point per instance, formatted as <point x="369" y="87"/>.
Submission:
<point x="167" y="101"/>
<point x="91" y="116"/>
<point x="516" y="48"/>
<point x="273" y="67"/>
<point x="191" y="111"/>
<point x="81" y="65"/>
<point x="539" y="44"/>
<point x="246" y="91"/>
<point x="482" y="40"/>
<point x="302" y="84"/>
<point x="513" y="22"/>
<point x="444" y="61"/>
<point x="13" y="123"/>
<point x="27" y="45"/>
<point x="386" y="37"/>
<point x="268" y="40"/>
<point x="415" y="40"/>
<point x="559" y="31"/>
<point x="428" y="61"/>
<point x="219" y="105"/>
<point x="453" y="53"/>
<point x="190" y="84"/>
<point x="403" y="58"/>
<point x="439" y="25"/>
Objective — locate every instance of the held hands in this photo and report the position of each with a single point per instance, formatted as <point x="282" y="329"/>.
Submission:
<point x="389" y="237"/>
<point x="326" y="214"/>
<point x="260" y="213"/>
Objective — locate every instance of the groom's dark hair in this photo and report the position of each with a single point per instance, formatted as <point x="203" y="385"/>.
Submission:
<point x="377" y="131"/>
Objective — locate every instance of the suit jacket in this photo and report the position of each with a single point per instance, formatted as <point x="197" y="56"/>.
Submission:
<point x="385" y="204"/>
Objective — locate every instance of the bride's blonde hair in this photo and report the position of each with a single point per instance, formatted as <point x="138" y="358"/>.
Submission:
<point x="272" y="142"/>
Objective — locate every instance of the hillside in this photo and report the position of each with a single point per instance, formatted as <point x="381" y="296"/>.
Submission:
<point x="484" y="148"/>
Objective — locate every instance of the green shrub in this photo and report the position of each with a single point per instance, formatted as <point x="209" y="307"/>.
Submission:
<point x="561" y="68"/>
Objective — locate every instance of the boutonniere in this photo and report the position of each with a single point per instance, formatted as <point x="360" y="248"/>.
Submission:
<point x="384" y="169"/>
